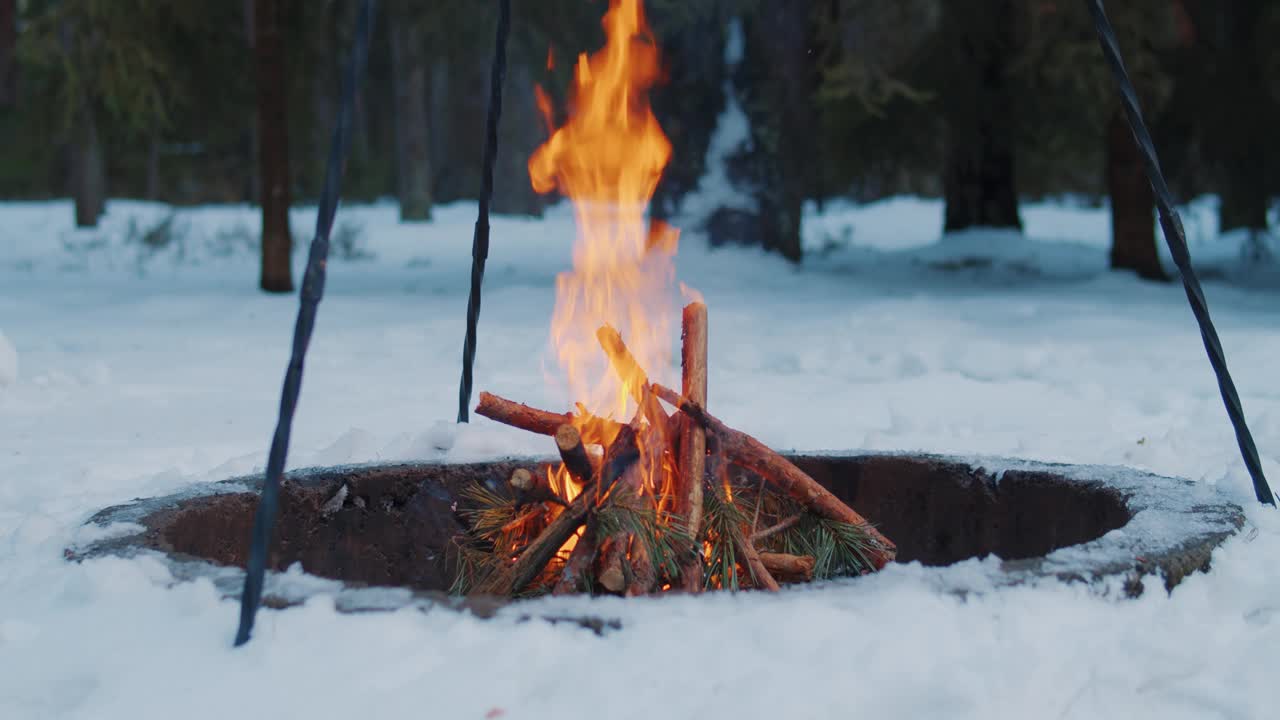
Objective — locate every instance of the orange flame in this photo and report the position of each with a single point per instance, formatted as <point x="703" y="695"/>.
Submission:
<point x="607" y="159"/>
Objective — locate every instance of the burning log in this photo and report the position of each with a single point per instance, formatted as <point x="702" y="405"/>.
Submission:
<point x="532" y="488"/>
<point x="535" y="557"/>
<point x="624" y="363"/>
<point x="755" y="455"/>
<point x="788" y="568"/>
<point x="584" y="553"/>
<point x="693" y="438"/>
<point x="542" y="422"/>
<point x="613" y="575"/>
<point x="644" y="578"/>
<point x="574" y="454"/>
<point x="619" y="458"/>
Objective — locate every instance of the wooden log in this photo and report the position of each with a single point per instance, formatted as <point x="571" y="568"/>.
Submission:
<point x="780" y="472"/>
<point x="574" y="454"/>
<point x="542" y="422"/>
<point x="644" y="577"/>
<point x="622" y="454"/>
<point x="612" y="574"/>
<point x="693" y="437"/>
<point x="531" y="487"/>
<point x="788" y="568"/>
<point x="573" y="577"/>
<point x="521" y="480"/>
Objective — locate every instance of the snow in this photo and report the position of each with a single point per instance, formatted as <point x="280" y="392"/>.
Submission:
<point x="149" y="366"/>
<point x="8" y="361"/>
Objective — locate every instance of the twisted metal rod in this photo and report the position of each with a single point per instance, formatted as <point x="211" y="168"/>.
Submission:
<point x="480" y="241"/>
<point x="1176" y="238"/>
<point x="309" y="300"/>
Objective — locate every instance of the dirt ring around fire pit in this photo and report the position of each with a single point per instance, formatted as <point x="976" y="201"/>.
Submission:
<point x="377" y="537"/>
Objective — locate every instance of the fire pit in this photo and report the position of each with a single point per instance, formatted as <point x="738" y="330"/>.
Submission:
<point x="384" y="536"/>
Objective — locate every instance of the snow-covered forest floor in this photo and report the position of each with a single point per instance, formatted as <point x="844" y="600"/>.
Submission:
<point x="140" y="358"/>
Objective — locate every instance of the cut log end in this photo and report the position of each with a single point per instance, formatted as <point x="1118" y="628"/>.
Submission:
<point x="789" y="568"/>
<point x="522" y="480"/>
<point x="574" y="454"/>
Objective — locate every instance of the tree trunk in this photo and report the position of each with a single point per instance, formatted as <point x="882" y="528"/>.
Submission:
<point x="153" y="167"/>
<point x="413" y="135"/>
<point x="273" y="150"/>
<point x="779" y="76"/>
<point x="1133" y="233"/>
<point x="8" y="65"/>
<point x="1243" y="185"/>
<point x="978" y="108"/>
<point x="88" y="169"/>
<point x="438" y="126"/>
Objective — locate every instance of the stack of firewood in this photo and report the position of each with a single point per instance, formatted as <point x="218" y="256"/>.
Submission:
<point x="651" y="507"/>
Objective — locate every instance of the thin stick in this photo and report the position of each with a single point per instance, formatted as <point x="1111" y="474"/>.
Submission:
<point x="633" y="377"/>
<point x="755" y="455"/>
<point x="755" y="517"/>
<point x="623" y="362"/>
<point x="771" y="531"/>
<point x="693" y="438"/>
<point x="760" y="574"/>
<point x="542" y="422"/>
<point x="574" y="455"/>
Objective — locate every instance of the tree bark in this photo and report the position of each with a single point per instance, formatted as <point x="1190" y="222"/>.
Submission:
<point x="273" y="145"/>
<point x="413" y="136"/>
<point x="1133" y="232"/>
<point x="978" y="109"/>
<point x="8" y="42"/>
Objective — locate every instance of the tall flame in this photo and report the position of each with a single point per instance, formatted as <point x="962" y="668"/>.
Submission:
<point x="607" y="159"/>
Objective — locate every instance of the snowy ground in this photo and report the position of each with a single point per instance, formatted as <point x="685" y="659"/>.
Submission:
<point x="140" y="358"/>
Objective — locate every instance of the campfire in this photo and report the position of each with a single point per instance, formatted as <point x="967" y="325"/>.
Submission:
<point x="649" y="494"/>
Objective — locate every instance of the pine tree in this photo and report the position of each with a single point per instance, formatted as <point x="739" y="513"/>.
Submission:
<point x="102" y="66"/>
<point x="1074" y="122"/>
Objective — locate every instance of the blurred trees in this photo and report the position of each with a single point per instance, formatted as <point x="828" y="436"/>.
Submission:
<point x="978" y="100"/>
<point x="8" y="44"/>
<point x="981" y="103"/>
